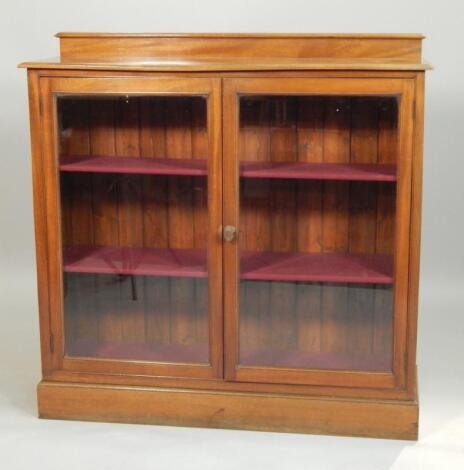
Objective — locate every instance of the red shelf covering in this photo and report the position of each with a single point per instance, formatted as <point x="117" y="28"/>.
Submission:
<point x="263" y="266"/>
<point x="319" y="171"/>
<point x="316" y="360"/>
<point x="136" y="261"/>
<point x="198" y="167"/>
<point x="317" y="267"/>
<point x="150" y="166"/>
<point x="178" y="353"/>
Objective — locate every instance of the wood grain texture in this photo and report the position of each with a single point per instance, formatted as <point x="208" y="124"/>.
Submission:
<point x="81" y="317"/>
<point x="318" y="217"/>
<point x="416" y="213"/>
<point x="123" y="48"/>
<point x="226" y="410"/>
<point x="254" y="145"/>
<point x="345" y="131"/>
<point x="224" y="66"/>
<point x="137" y="309"/>
<point x="40" y="221"/>
<point x="341" y="217"/>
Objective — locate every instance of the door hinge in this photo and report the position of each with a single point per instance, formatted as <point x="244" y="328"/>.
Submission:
<point x="52" y="343"/>
<point x="40" y="106"/>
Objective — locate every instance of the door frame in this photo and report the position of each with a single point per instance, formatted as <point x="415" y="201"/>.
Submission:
<point x="233" y="89"/>
<point x="51" y="244"/>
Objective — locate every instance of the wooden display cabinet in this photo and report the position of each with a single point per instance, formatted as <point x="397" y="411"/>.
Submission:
<point x="228" y="230"/>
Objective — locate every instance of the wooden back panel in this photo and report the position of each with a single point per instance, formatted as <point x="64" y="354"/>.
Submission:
<point x="315" y="216"/>
<point x="123" y="48"/>
<point x="136" y="210"/>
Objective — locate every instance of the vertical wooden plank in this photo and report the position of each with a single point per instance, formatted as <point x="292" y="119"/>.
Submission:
<point x="72" y="312"/>
<point x="105" y="213"/>
<point x="130" y="229"/>
<point x="416" y="208"/>
<point x="383" y="321"/>
<point x="283" y="147"/>
<point x="387" y="154"/>
<point x="77" y="217"/>
<point x="200" y="151"/>
<point x="127" y="144"/>
<point x="66" y="180"/>
<point x="76" y="141"/>
<point x="310" y="122"/>
<point x="180" y="218"/>
<point x="255" y="233"/>
<point x="155" y="218"/>
<point x="254" y="145"/>
<point x="363" y="218"/>
<point x="335" y="224"/>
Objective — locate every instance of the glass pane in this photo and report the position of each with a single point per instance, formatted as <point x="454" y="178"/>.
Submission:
<point x="317" y="210"/>
<point x="134" y="226"/>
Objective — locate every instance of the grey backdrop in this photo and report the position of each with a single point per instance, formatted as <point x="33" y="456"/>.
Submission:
<point x="27" y="29"/>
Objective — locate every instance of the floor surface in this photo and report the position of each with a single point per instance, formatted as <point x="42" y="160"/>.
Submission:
<point x="27" y="442"/>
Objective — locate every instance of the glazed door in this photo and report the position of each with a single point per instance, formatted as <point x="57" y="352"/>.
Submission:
<point x="133" y="203"/>
<point x="316" y="214"/>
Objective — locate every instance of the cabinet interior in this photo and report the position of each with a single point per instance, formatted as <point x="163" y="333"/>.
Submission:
<point x="145" y="295"/>
<point x="319" y="324"/>
<point x="316" y="232"/>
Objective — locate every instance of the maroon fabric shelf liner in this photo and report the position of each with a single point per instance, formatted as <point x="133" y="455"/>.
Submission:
<point x="316" y="360"/>
<point x="319" y="171"/>
<point x="317" y="267"/>
<point x="178" y="353"/>
<point x="140" y="261"/>
<point x="198" y="167"/>
<point x="264" y="266"/>
<point x="154" y="166"/>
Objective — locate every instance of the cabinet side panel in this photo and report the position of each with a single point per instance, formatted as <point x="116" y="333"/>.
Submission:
<point x="416" y="211"/>
<point x="40" y="220"/>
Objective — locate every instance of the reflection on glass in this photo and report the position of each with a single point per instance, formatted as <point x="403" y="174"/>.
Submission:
<point x="134" y="221"/>
<point x="317" y="212"/>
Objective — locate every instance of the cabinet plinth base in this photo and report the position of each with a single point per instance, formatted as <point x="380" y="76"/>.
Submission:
<point x="212" y="409"/>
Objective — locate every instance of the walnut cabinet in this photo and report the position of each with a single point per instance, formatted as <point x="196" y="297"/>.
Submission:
<point x="228" y="230"/>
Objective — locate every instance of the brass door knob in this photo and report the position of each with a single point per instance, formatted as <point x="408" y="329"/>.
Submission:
<point x="229" y="233"/>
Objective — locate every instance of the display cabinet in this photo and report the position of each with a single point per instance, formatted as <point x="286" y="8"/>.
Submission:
<point x="228" y="230"/>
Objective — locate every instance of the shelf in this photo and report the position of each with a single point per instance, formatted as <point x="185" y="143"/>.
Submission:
<point x="178" y="353"/>
<point x="317" y="267"/>
<point x="256" y="266"/>
<point x="135" y="261"/>
<point x="147" y="166"/>
<point x="316" y="360"/>
<point x="319" y="171"/>
<point x="198" y="167"/>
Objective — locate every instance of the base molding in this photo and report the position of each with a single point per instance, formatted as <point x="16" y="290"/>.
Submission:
<point x="213" y="409"/>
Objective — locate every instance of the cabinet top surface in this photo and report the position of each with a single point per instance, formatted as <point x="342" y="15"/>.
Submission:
<point x="235" y="52"/>
<point x="74" y="34"/>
